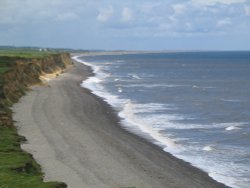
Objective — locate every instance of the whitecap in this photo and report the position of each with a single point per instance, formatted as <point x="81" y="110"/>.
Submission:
<point x="108" y="63"/>
<point x="94" y="83"/>
<point x="208" y="148"/>
<point x="230" y="100"/>
<point x="153" y="85"/>
<point x="135" y="76"/>
<point x="231" y="128"/>
<point x="120" y="90"/>
<point x="147" y="127"/>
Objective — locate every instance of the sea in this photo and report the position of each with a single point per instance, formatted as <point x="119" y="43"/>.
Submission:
<point x="194" y="105"/>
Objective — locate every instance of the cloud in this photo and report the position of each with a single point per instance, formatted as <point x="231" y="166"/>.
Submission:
<point x="67" y="16"/>
<point x="185" y="18"/>
<point x="223" y="22"/>
<point x="127" y="15"/>
<point x="213" y="2"/>
<point x="7" y="10"/>
<point x="112" y="18"/>
<point x="30" y="11"/>
<point x="179" y="8"/>
<point x="247" y="10"/>
<point x="148" y="7"/>
<point x="105" y="14"/>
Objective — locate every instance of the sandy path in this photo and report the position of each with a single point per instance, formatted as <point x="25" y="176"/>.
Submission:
<point x="77" y="139"/>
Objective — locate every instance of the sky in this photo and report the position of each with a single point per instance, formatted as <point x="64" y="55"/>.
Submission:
<point x="127" y="25"/>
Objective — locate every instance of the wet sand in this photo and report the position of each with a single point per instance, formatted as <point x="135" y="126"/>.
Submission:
<point x="77" y="139"/>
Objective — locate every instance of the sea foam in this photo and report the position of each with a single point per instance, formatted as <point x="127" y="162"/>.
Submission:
<point x="148" y="127"/>
<point x="208" y="148"/>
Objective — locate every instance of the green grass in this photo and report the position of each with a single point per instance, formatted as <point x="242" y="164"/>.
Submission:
<point x="9" y="140"/>
<point x="17" y="168"/>
<point x="24" y="54"/>
<point x="19" y="171"/>
<point x="5" y="65"/>
<point x="4" y="69"/>
<point x="17" y="180"/>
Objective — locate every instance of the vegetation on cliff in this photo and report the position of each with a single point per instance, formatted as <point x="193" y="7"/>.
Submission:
<point x="18" y="71"/>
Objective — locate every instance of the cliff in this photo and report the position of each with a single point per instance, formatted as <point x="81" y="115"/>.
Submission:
<point x="18" y="169"/>
<point x="27" y="72"/>
<point x="24" y="73"/>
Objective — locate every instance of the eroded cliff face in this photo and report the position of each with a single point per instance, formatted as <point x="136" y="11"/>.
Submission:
<point x="25" y="73"/>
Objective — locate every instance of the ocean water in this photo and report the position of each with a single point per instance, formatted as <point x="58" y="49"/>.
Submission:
<point x="195" y="105"/>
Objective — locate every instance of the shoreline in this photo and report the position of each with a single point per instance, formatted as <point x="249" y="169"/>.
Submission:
<point x="87" y="145"/>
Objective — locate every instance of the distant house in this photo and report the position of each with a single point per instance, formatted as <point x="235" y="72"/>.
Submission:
<point x="43" y="50"/>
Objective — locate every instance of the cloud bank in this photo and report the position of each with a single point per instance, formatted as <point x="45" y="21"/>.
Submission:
<point x="129" y="20"/>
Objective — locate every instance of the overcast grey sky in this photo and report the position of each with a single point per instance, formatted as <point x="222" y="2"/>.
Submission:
<point x="130" y="24"/>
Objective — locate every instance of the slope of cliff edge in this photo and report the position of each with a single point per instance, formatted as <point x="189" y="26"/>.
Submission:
<point x="17" y="167"/>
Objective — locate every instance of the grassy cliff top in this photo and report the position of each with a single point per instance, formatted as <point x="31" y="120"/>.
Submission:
<point x="21" y="53"/>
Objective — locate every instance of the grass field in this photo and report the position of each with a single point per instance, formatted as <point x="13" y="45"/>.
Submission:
<point x="25" y="53"/>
